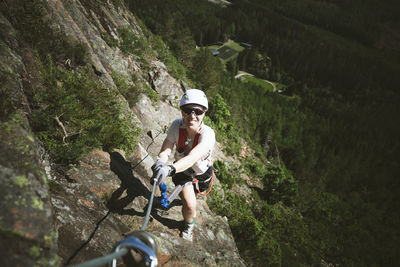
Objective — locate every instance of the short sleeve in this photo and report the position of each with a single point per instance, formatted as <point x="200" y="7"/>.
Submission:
<point x="173" y="131"/>
<point x="207" y="137"/>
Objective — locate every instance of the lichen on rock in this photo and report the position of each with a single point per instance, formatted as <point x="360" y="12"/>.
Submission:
<point x="54" y="212"/>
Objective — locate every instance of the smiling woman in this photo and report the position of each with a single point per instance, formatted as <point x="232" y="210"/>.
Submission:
<point x="194" y="143"/>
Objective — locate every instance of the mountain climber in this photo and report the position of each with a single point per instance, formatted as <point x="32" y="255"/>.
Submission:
<point x="194" y="143"/>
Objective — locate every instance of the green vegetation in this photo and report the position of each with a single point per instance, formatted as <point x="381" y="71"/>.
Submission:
<point x="8" y="100"/>
<point x="226" y="53"/>
<point x="323" y="144"/>
<point x="75" y="114"/>
<point x="277" y="233"/>
<point x="131" y="92"/>
<point x="259" y="82"/>
<point x="206" y="70"/>
<point x="106" y="196"/>
<point x="225" y="176"/>
<point x="118" y="3"/>
<point x="72" y="112"/>
<point x="54" y="187"/>
<point x="280" y="186"/>
<point x="175" y="68"/>
<point x="132" y="44"/>
<point x="109" y="39"/>
<point x="220" y="121"/>
<point x="325" y="150"/>
<point x="21" y="181"/>
<point x="34" y="252"/>
<point x="235" y="46"/>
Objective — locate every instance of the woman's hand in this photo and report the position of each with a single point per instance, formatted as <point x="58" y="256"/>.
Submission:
<point x="162" y="174"/>
<point x="156" y="166"/>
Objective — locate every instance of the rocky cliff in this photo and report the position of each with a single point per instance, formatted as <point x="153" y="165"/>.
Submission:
<point x="54" y="214"/>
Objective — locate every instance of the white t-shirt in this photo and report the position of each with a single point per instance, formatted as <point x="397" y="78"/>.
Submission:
<point x="207" y="138"/>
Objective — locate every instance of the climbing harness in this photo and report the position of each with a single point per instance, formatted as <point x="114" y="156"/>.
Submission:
<point x="183" y="143"/>
<point x="196" y="184"/>
<point x="166" y="201"/>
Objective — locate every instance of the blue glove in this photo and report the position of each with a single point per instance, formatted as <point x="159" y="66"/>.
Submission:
<point x="162" y="174"/>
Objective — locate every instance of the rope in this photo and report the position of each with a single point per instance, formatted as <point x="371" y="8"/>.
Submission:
<point x="152" y="141"/>
<point x="146" y="219"/>
<point x="103" y="260"/>
<point x="119" y="253"/>
<point x="89" y="239"/>
<point x="110" y="257"/>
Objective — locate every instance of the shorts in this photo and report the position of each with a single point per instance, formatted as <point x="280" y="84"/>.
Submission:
<point x="204" y="179"/>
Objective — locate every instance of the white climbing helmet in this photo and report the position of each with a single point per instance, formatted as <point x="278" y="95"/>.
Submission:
<point x="194" y="96"/>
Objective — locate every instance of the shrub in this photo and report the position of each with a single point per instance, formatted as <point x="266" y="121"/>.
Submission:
<point x="109" y="39"/>
<point x="219" y="112"/>
<point x="135" y="45"/>
<point x="222" y="123"/>
<point x="75" y="114"/>
<point x="174" y="67"/>
<point x="277" y="233"/>
<point x="225" y="175"/>
<point x="131" y="92"/>
<point x="254" y="168"/>
<point x="280" y="185"/>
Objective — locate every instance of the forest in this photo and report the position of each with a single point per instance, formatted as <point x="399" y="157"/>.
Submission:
<point x="326" y="147"/>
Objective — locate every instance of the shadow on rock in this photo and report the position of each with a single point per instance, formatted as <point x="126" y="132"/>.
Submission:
<point x="158" y="213"/>
<point x="133" y="186"/>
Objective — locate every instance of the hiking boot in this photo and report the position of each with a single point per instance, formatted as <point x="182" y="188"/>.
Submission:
<point x="187" y="232"/>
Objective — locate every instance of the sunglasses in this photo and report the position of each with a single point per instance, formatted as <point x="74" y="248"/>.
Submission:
<point x="189" y="111"/>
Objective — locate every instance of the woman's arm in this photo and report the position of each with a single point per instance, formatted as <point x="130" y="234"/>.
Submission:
<point x="186" y="162"/>
<point x="194" y="155"/>
<point x="166" y="150"/>
<point x="206" y="142"/>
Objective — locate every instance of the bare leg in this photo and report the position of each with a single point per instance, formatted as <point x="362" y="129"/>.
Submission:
<point x="188" y="203"/>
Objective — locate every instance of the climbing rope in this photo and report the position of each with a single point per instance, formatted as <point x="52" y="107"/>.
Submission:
<point x="130" y="242"/>
<point x="146" y="219"/>
<point x="103" y="260"/>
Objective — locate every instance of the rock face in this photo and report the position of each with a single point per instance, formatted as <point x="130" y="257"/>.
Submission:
<point x="28" y="233"/>
<point x="51" y="215"/>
